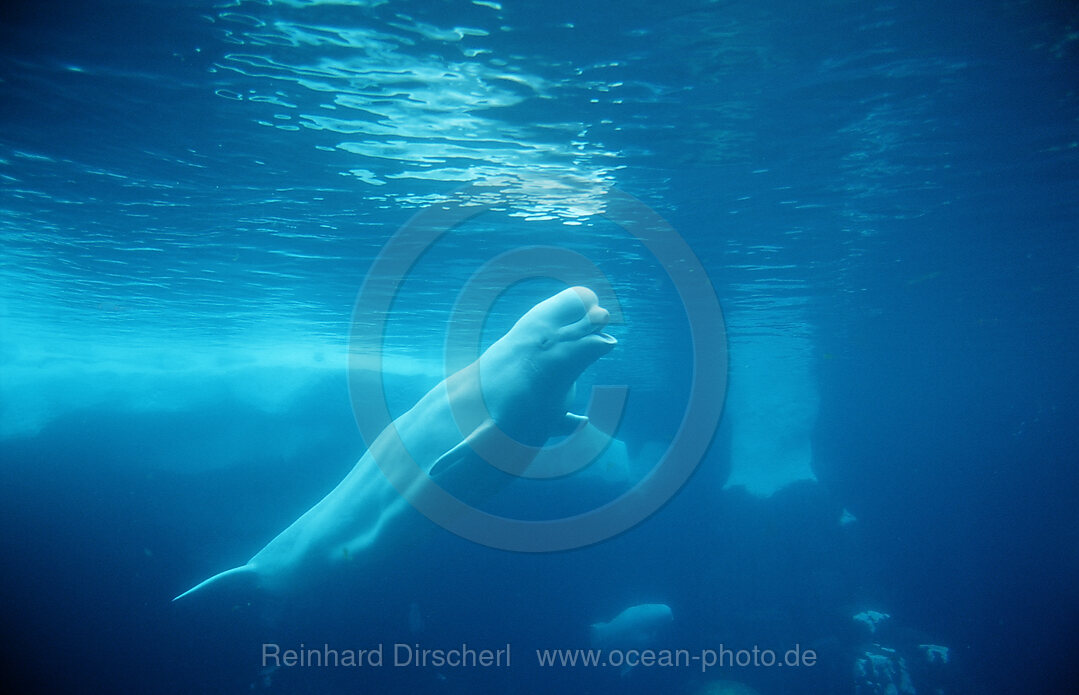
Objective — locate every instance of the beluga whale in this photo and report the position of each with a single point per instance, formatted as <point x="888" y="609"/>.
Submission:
<point x="518" y="390"/>
<point x="636" y="628"/>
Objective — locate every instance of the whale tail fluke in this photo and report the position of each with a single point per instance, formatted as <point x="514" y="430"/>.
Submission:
<point x="243" y="576"/>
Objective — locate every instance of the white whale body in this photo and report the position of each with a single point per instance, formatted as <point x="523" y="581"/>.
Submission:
<point x="518" y="387"/>
<point x="636" y="627"/>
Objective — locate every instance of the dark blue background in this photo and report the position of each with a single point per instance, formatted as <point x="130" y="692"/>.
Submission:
<point x="930" y="153"/>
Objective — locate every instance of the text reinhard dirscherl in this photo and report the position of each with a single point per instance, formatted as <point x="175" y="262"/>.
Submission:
<point x="400" y="654"/>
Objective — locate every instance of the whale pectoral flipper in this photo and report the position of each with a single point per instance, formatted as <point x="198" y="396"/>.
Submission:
<point x="464" y="449"/>
<point x="241" y="576"/>
<point x="486" y="448"/>
<point x="569" y="424"/>
<point x="489" y="440"/>
<point x="487" y="444"/>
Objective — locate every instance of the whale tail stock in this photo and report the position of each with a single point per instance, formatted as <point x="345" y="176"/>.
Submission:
<point x="243" y="576"/>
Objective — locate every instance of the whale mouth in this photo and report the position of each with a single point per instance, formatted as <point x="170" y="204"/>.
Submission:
<point x="589" y="332"/>
<point x="579" y="317"/>
<point x="605" y="337"/>
<point x="599" y="317"/>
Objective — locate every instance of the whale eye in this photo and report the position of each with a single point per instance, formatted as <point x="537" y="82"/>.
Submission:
<point x="545" y="342"/>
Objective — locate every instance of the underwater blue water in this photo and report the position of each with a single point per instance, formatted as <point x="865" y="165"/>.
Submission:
<point x="884" y="197"/>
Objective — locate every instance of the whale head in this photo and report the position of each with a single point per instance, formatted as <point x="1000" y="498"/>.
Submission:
<point x="564" y="333"/>
<point x="527" y="377"/>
